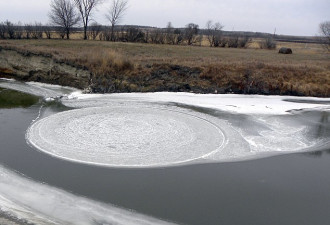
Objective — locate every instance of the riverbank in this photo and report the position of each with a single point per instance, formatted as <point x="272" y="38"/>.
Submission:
<point x="106" y="67"/>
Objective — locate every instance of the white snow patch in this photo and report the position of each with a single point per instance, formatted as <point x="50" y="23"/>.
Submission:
<point x="244" y="104"/>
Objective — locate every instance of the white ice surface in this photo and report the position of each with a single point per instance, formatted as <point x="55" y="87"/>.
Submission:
<point x="131" y="131"/>
<point x="244" y="104"/>
<point x="43" y="205"/>
<point x="150" y="131"/>
<point x="128" y="135"/>
<point x="146" y="129"/>
<point x="47" y="91"/>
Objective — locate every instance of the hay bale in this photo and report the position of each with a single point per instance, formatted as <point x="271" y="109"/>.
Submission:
<point x="285" y="50"/>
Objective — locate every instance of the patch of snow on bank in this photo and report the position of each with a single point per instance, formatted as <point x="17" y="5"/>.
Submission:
<point x="244" y="104"/>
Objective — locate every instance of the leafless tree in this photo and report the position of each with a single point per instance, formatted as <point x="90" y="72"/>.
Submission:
<point x="170" y="36"/>
<point x="115" y="14"/>
<point x="157" y="36"/>
<point x="28" y="30"/>
<point x="63" y="14"/>
<point x="61" y="32"/>
<point x="134" y="35"/>
<point x="94" y="30"/>
<point x="178" y="36"/>
<point x="105" y="34"/>
<point x="48" y="31"/>
<point x="244" y="42"/>
<point x="37" y="31"/>
<point x="325" y="32"/>
<point x="18" y="30"/>
<point x="233" y="41"/>
<point x="191" y="31"/>
<point x="268" y="43"/>
<point x="2" y="30"/>
<point x="85" y="8"/>
<point x="213" y="33"/>
<point x="10" y="29"/>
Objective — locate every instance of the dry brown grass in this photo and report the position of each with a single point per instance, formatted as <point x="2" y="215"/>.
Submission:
<point x="149" y="67"/>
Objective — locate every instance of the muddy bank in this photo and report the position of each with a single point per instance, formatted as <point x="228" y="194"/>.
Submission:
<point x="27" y="66"/>
<point x="41" y="68"/>
<point x="102" y="76"/>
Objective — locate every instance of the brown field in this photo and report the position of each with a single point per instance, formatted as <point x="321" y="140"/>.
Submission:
<point x="118" y="67"/>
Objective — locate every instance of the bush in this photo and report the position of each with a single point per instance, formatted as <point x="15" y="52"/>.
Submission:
<point x="268" y="43"/>
<point x="233" y="42"/>
<point x="244" y="42"/>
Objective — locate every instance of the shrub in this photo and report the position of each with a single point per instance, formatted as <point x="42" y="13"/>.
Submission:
<point x="268" y="43"/>
<point x="244" y="42"/>
<point x="233" y="42"/>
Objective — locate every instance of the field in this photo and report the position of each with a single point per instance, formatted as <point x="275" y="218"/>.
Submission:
<point x="130" y="67"/>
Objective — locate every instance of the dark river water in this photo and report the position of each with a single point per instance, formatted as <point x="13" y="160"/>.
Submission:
<point x="287" y="189"/>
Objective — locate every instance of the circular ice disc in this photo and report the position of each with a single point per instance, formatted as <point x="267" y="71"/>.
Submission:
<point x="127" y="136"/>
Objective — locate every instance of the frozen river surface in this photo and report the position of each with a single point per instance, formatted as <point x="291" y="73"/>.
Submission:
<point x="73" y="134"/>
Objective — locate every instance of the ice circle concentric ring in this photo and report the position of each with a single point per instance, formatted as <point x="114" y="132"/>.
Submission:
<point x="127" y="136"/>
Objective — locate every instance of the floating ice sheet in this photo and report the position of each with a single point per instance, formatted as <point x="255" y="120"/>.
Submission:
<point x="128" y="135"/>
<point x="44" y="205"/>
<point x="159" y="129"/>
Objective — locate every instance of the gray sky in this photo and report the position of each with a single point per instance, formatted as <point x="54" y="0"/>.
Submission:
<point x="294" y="17"/>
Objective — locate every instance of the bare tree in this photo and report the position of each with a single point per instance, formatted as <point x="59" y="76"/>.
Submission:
<point x="2" y="30"/>
<point x="94" y="30"/>
<point x="268" y="43"/>
<point x="28" y="30"/>
<point x="37" y="31"/>
<point x="244" y="42"/>
<point x="10" y="29"/>
<point x="191" y="31"/>
<point x="19" y="30"/>
<point x="116" y="12"/>
<point x="170" y="36"/>
<point x="157" y="36"/>
<point x="213" y="32"/>
<point x="48" y="31"/>
<point x="233" y="41"/>
<point x="63" y="14"/>
<point x="85" y="8"/>
<point x="325" y="32"/>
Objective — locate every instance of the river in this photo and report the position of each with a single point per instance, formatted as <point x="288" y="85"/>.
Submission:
<point x="272" y="167"/>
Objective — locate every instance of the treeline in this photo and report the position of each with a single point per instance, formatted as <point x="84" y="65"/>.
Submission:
<point x="191" y="34"/>
<point x="9" y="30"/>
<point x="67" y="15"/>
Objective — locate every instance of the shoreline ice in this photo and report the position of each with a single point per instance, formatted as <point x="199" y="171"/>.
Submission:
<point x="244" y="104"/>
<point x="41" y="204"/>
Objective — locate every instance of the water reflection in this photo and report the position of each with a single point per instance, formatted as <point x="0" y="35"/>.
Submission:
<point x="12" y="99"/>
<point x="317" y="154"/>
<point x="321" y="129"/>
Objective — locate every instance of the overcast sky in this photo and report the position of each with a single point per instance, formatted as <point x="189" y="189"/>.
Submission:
<point x="293" y="17"/>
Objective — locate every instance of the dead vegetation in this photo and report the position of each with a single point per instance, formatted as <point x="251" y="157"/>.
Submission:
<point x="137" y="67"/>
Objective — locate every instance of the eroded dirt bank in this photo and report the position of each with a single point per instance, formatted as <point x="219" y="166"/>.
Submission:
<point x="41" y="68"/>
<point x="113" y="74"/>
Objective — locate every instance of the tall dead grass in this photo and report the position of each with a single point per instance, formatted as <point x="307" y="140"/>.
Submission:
<point x="119" y="67"/>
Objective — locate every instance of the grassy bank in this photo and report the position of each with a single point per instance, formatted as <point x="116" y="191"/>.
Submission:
<point x="131" y="67"/>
